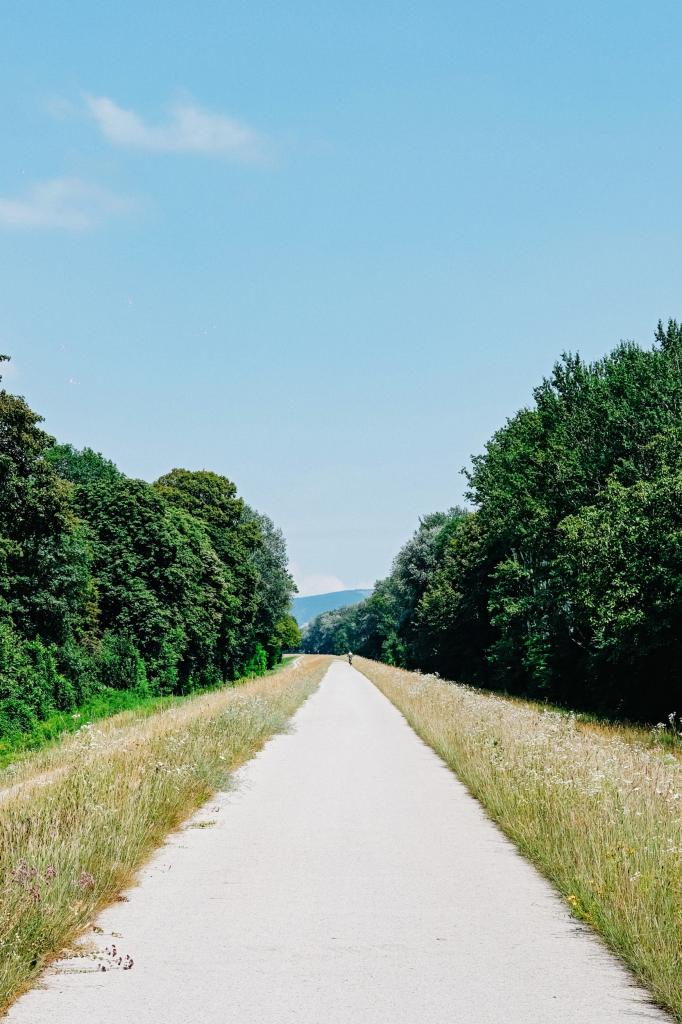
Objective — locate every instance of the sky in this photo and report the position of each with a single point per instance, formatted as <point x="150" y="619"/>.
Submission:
<point x="327" y="249"/>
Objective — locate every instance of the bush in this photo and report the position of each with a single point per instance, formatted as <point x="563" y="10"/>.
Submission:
<point x="164" y="670"/>
<point x="80" y="668"/>
<point x="120" y="664"/>
<point x="257" y="665"/>
<point x="20" y="699"/>
<point x="58" y="693"/>
<point x="288" y="634"/>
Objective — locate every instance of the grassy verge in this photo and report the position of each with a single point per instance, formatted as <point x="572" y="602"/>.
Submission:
<point x="109" y="797"/>
<point x="599" y="812"/>
<point x="52" y="729"/>
<point x="104" y="704"/>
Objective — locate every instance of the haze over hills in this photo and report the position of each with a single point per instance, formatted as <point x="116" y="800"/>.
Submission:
<point x="305" y="609"/>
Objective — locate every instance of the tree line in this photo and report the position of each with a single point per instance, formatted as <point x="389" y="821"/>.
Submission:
<point x="563" y="581"/>
<point x="112" y="583"/>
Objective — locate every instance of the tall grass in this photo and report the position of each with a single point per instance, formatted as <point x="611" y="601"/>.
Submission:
<point x="597" y="809"/>
<point x="109" y="796"/>
<point x="104" y="703"/>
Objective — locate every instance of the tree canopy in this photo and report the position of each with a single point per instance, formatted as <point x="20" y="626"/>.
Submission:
<point x="111" y="582"/>
<point x="564" y="580"/>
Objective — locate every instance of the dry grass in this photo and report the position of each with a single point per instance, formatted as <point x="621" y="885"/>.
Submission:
<point x="108" y="796"/>
<point x="598" y="810"/>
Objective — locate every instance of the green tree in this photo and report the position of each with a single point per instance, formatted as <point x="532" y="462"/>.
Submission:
<point x="81" y="467"/>
<point x="212" y="500"/>
<point x="452" y="630"/>
<point x="564" y="583"/>
<point x="160" y="583"/>
<point x="274" y="584"/>
<point x="287" y="634"/>
<point x="44" y="559"/>
<point x="107" y="581"/>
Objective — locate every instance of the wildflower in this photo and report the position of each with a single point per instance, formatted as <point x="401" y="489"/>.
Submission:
<point x="21" y="873"/>
<point x="85" y="880"/>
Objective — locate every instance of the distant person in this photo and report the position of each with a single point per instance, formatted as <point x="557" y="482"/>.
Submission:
<point x="350" y="657"/>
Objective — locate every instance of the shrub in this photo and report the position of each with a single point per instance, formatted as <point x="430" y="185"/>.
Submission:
<point x="20" y="698"/>
<point x="57" y="692"/>
<point x="81" y="669"/>
<point x="120" y="664"/>
<point x="257" y="665"/>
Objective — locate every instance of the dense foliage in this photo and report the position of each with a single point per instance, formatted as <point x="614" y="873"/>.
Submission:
<point x="565" y="581"/>
<point x="108" y="582"/>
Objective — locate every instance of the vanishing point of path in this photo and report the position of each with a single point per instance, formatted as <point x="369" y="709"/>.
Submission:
<point x="349" y="879"/>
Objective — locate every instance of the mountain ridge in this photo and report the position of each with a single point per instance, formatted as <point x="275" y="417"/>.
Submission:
<point x="305" y="609"/>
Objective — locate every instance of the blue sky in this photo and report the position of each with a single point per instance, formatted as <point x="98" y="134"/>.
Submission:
<point x="326" y="249"/>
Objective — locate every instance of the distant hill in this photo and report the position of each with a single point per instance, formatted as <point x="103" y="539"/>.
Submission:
<point x="305" y="609"/>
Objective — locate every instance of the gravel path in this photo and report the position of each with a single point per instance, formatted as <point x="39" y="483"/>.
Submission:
<point x="349" y="879"/>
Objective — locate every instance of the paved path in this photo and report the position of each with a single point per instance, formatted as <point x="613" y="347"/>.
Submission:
<point x="350" y="879"/>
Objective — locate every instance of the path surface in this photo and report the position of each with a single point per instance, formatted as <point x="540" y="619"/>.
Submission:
<point x="350" y="879"/>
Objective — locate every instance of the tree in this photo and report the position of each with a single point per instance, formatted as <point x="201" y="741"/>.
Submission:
<point x="564" y="582"/>
<point x="235" y="536"/>
<point x="591" y="425"/>
<point x="383" y="625"/>
<point x="111" y="582"/>
<point x="81" y="467"/>
<point x="452" y="622"/>
<point x="159" y="579"/>
<point x="44" y="556"/>
<point x="274" y="585"/>
<point x="287" y="634"/>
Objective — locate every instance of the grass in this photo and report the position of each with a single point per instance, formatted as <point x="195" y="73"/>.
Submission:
<point x="78" y="820"/>
<point x="665" y="736"/>
<point x="597" y="808"/>
<point x="103" y="704"/>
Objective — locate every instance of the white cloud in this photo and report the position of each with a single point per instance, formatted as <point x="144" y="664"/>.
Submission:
<point x="188" y="130"/>
<point x="318" y="583"/>
<point x="62" y="203"/>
